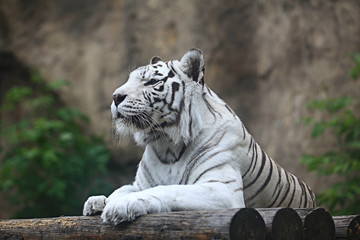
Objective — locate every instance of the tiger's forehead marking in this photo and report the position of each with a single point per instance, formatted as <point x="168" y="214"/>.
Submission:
<point x="146" y="72"/>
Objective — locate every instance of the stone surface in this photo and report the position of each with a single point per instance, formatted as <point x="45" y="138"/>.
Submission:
<point x="266" y="58"/>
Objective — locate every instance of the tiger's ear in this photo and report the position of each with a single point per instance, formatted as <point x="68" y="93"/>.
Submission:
<point x="192" y="64"/>
<point x="155" y="59"/>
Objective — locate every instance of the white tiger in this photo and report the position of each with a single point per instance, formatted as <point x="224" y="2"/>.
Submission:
<point x="198" y="154"/>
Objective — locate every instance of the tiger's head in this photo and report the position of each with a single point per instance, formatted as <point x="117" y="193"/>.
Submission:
<point x="155" y="100"/>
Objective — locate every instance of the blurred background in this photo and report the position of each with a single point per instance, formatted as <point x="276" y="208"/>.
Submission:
<point x="60" y="62"/>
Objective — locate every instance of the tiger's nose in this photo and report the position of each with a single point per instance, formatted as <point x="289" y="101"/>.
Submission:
<point x="118" y="98"/>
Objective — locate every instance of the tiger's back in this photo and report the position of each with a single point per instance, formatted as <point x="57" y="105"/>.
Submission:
<point x="265" y="183"/>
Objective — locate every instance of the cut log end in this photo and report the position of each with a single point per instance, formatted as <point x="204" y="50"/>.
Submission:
<point x="319" y="225"/>
<point x="287" y="223"/>
<point x="247" y="223"/>
<point x="354" y="229"/>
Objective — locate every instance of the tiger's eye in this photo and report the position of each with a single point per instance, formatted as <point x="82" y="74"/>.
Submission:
<point x="151" y="82"/>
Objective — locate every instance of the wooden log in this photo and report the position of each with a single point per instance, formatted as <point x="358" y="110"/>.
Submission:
<point x="280" y="222"/>
<point x="214" y="224"/>
<point x="247" y="223"/>
<point x="342" y="223"/>
<point x="287" y="224"/>
<point x="303" y="212"/>
<point x="176" y="225"/>
<point x="353" y="231"/>
<point x="319" y="225"/>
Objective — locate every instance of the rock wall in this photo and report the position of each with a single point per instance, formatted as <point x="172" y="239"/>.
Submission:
<point x="266" y="58"/>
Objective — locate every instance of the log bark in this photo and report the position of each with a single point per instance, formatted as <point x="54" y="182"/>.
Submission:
<point x="216" y="224"/>
<point x="344" y="226"/>
<point x="175" y="225"/>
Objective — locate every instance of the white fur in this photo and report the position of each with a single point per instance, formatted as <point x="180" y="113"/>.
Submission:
<point x="196" y="162"/>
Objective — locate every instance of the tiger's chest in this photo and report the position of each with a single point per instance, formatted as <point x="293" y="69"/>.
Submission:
<point x="164" y="165"/>
<point x="158" y="173"/>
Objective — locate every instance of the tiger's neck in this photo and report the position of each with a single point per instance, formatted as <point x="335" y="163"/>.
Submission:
<point x="167" y="152"/>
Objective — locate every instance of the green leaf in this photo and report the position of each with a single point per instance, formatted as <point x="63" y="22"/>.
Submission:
<point x="354" y="144"/>
<point x="56" y="85"/>
<point x="308" y="121"/>
<point x="355" y="71"/>
<point x="17" y="94"/>
<point x="318" y="129"/>
<point x="42" y="101"/>
<point x="66" y="136"/>
<point x="331" y="105"/>
<point x="36" y="77"/>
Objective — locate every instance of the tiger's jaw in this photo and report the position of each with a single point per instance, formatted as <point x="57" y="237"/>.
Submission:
<point x="144" y="129"/>
<point x="121" y="119"/>
<point x="146" y="122"/>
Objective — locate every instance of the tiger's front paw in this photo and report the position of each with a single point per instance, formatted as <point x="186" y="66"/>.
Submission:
<point x="94" y="205"/>
<point x="127" y="209"/>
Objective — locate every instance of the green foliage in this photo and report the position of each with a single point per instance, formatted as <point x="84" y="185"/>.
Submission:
<point x="337" y="115"/>
<point x="49" y="162"/>
<point x="355" y="71"/>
